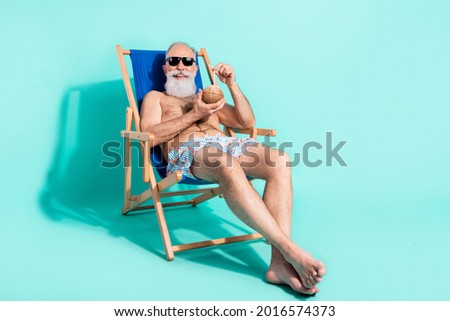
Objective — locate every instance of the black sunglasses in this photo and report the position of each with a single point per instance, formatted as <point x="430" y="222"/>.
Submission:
<point x="174" y="61"/>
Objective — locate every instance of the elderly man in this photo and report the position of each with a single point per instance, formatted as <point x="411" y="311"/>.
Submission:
<point x="192" y="141"/>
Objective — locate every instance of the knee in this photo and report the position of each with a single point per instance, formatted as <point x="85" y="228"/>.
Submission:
<point x="280" y="164"/>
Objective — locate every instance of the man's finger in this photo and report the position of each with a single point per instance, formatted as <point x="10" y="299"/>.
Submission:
<point x="220" y="102"/>
<point x="199" y="95"/>
<point x="220" y="106"/>
<point x="212" y="111"/>
<point x="217" y="103"/>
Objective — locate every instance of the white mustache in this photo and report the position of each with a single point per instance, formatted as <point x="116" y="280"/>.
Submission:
<point x="175" y="73"/>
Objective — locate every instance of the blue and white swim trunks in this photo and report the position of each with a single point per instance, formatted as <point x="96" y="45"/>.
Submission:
<point x="181" y="158"/>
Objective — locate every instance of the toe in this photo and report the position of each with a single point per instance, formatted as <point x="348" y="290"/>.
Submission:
<point x="320" y="268"/>
<point x="316" y="278"/>
<point x="297" y="286"/>
<point x="272" y="277"/>
<point x="308" y="283"/>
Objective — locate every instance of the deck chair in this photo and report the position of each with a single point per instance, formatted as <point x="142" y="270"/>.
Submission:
<point x="148" y="75"/>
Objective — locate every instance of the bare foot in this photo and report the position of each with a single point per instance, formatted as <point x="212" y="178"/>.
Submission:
<point x="281" y="272"/>
<point x="284" y="273"/>
<point x="308" y="269"/>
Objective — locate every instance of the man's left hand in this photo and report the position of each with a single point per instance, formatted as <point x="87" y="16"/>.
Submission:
<point x="225" y="73"/>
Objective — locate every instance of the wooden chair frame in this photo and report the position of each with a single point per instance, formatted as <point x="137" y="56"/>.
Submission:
<point x="155" y="190"/>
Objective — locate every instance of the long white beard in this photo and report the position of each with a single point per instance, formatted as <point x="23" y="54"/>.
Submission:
<point x="180" y="87"/>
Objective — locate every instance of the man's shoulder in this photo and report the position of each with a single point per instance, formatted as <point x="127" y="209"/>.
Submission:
<point x="154" y="94"/>
<point x="153" y="97"/>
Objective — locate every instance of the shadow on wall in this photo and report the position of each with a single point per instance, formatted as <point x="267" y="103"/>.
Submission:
<point x="77" y="187"/>
<point x="90" y="116"/>
<point x="80" y="189"/>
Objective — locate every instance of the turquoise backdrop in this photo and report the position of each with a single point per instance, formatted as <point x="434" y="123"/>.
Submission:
<point x="374" y="73"/>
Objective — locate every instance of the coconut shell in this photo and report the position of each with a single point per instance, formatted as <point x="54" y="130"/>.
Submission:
<point x="212" y="94"/>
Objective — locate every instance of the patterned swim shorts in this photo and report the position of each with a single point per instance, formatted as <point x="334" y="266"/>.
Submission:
<point x="181" y="158"/>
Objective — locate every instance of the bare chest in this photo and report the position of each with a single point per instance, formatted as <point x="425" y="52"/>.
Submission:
<point x="172" y="108"/>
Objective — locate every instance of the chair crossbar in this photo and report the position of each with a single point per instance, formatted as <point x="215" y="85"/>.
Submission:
<point x="187" y="192"/>
<point x="221" y="241"/>
<point x="150" y="207"/>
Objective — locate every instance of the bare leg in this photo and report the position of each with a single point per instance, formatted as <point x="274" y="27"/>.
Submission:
<point x="215" y="166"/>
<point x="270" y="164"/>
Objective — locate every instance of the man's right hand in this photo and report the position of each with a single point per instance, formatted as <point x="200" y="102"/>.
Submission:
<point x="203" y="110"/>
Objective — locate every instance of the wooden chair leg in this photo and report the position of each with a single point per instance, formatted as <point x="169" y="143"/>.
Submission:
<point x="127" y="189"/>
<point x="163" y="225"/>
<point x="127" y="167"/>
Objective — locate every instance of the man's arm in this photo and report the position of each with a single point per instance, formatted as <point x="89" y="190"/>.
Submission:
<point x="165" y="131"/>
<point x="241" y="114"/>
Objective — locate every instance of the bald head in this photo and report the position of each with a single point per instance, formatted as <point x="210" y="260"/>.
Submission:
<point x="179" y="45"/>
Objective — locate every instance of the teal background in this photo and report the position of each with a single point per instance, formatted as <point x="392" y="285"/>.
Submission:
<point x="375" y="73"/>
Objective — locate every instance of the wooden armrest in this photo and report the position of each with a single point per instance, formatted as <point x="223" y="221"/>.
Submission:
<point x="259" y="131"/>
<point x="142" y="136"/>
